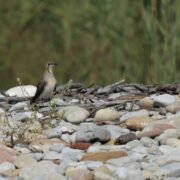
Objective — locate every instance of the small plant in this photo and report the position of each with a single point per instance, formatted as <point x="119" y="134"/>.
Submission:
<point x="19" y="132"/>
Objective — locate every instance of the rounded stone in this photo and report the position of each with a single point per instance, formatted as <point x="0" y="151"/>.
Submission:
<point x="73" y="114"/>
<point x="23" y="160"/>
<point x="138" y="123"/>
<point x="107" y="115"/>
<point x="92" y="134"/>
<point x="146" y="103"/>
<point x="22" y="91"/>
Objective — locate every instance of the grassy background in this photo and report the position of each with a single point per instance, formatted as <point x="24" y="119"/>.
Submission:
<point x="93" y="41"/>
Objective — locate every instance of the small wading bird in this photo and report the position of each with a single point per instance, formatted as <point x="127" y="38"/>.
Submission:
<point x="47" y="86"/>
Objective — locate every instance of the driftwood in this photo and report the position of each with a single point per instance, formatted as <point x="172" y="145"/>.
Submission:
<point x="89" y="96"/>
<point x="14" y="99"/>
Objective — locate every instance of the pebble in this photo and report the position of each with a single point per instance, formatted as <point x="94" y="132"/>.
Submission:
<point x="57" y="101"/>
<point x="41" y="170"/>
<point x="138" y="113"/>
<point x="103" y="156"/>
<point x="73" y="114"/>
<point x="171" y="170"/>
<point x="164" y="100"/>
<point x="81" y="174"/>
<point x="116" y="131"/>
<point x="173" y="142"/>
<point x="138" y="123"/>
<point x="169" y="133"/>
<point x="146" y="103"/>
<point x="131" y="141"/>
<point x="7" y="154"/>
<point x="148" y="142"/>
<point x="57" y="147"/>
<point x="6" y="166"/>
<point x="43" y="145"/>
<point x="114" y="96"/>
<point x="52" y="155"/>
<point x="81" y="145"/>
<point x="53" y="133"/>
<point x="2" y="112"/>
<point x="92" y="165"/>
<point x="92" y="134"/>
<point x="19" y="106"/>
<point x="22" y="91"/>
<point x="23" y="160"/>
<point x="107" y="115"/>
<point x="121" y="173"/>
<point x="22" y="116"/>
<point x="102" y="173"/>
<point x="173" y="108"/>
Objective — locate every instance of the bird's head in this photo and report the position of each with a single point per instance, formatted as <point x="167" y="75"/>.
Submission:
<point x="50" y="65"/>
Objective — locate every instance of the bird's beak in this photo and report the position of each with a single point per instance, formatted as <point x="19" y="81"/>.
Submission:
<point x="55" y="64"/>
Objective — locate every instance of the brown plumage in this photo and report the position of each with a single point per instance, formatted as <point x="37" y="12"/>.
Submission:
<point x="47" y="86"/>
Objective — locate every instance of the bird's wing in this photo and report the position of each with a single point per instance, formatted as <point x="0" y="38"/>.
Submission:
<point x="40" y="88"/>
<point x="55" y="88"/>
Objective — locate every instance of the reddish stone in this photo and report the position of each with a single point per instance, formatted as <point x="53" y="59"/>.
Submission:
<point x="80" y="145"/>
<point x="150" y="134"/>
<point x="163" y="127"/>
<point x="158" y="129"/>
<point x="7" y="154"/>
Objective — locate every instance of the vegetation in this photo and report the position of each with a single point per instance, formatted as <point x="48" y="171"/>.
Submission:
<point x="93" y="41"/>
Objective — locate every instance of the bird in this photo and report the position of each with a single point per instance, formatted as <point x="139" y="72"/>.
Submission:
<point x="47" y="86"/>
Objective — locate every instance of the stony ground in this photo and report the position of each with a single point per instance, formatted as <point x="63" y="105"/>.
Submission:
<point x="121" y="131"/>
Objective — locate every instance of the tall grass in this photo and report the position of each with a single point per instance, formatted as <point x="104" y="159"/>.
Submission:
<point x="94" y="41"/>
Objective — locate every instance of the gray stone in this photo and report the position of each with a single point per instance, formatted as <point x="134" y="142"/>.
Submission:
<point x="164" y="100"/>
<point x="19" y="106"/>
<point x="149" y="166"/>
<point x="45" y="170"/>
<point x="116" y="131"/>
<point x="127" y="173"/>
<point x="22" y="91"/>
<point x="2" y="111"/>
<point x="3" y="178"/>
<point x="64" y="164"/>
<point x="56" y="147"/>
<point x="122" y="173"/>
<point x="72" y="154"/>
<point x="66" y="138"/>
<point x="6" y="166"/>
<point x="52" y="155"/>
<point x="120" y="161"/>
<point x="133" y="144"/>
<point x="53" y="133"/>
<point x="100" y="175"/>
<point x="74" y="101"/>
<point x="148" y="142"/>
<point x="67" y="127"/>
<point x="172" y="156"/>
<point x="128" y="115"/>
<point x="92" y="134"/>
<point x="73" y="114"/>
<point x="171" y="170"/>
<point x="114" y="96"/>
<point x="57" y="101"/>
<point x="39" y="156"/>
<point x="92" y="165"/>
<point x="22" y="116"/>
